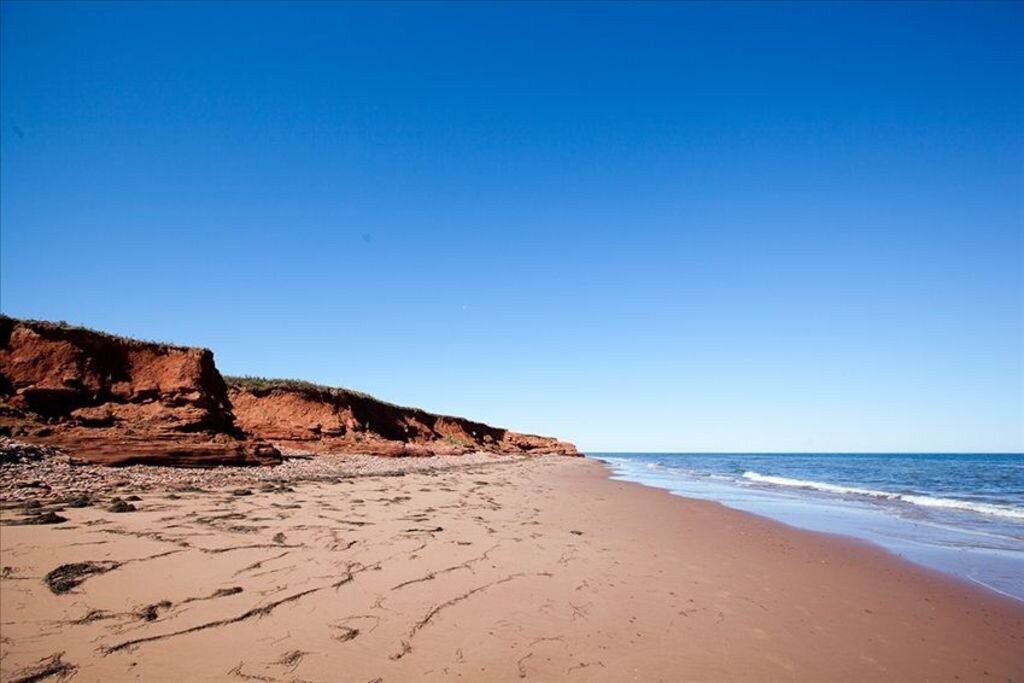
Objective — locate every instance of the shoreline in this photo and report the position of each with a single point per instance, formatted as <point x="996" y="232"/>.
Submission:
<point x="540" y="568"/>
<point x="849" y="520"/>
<point x="855" y="542"/>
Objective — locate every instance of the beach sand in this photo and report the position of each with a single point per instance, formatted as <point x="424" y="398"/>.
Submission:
<point x="523" y="569"/>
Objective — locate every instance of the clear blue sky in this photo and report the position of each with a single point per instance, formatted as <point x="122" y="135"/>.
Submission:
<point x="638" y="227"/>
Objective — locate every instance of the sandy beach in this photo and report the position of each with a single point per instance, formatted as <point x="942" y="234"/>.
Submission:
<point x="498" y="569"/>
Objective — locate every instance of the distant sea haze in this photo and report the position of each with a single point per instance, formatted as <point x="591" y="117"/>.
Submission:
<point x="960" y="513"/>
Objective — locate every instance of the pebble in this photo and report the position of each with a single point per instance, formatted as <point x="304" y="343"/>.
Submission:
<point x="47" y="473"/>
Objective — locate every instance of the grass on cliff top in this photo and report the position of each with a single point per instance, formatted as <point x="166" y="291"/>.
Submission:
<point x="254" y="383"/>
<point x="248" y="382"/>
<point x="267" y="384"/>
<point x="44" y="325"/>
<point x="260" y="385"/>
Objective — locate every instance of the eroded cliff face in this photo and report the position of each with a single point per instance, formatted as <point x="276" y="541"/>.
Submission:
<point x="324" y="420"/>
<point x="119" y="401"/>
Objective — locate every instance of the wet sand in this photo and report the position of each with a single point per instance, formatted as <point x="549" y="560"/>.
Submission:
<point x="538" y="569"/>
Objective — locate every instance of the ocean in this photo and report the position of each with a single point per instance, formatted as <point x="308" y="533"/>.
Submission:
<point x="962" y="514"/>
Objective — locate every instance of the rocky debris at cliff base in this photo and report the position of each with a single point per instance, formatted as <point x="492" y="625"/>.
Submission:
<point x="14" y="451"/>
<point x="58" y="477"/>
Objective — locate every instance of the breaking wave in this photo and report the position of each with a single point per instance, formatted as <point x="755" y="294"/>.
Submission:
<point x="1006" y="511"/>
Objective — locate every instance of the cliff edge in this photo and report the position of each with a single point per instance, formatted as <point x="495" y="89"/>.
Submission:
<point x="320" y="419"/>
<point x="119" y="401"/>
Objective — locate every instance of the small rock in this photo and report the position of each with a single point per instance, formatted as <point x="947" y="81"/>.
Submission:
<point x="50" y="517"/>
<point x="95" y="416"/>
<point x="121" y="506"/>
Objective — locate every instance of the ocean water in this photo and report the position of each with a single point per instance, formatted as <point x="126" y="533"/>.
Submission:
<point x="962" y="514"/>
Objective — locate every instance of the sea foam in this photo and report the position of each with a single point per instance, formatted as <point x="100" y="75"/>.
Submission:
<point x="1006" y="511"/>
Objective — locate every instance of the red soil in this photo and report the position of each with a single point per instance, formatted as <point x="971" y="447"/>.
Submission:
<point x="340" y="421"/>
<point x="119" y="401"/>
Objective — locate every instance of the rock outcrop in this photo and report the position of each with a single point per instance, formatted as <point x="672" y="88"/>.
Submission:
<point x="118" y="401"/>
<point x="319" y="419"/>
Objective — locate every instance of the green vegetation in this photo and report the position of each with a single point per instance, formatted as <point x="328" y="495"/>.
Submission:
<point x="46" y="325"/>
<point x="255" y="383"/>
<point x="261" y="384"/>
<point x="252" y="383"/>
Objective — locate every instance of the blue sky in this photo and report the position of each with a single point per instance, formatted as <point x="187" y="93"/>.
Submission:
<point x="699" y="227"/>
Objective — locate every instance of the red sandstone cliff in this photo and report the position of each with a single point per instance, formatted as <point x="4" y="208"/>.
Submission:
<point x="326" y="420"/>
<point x="119" y="401"/>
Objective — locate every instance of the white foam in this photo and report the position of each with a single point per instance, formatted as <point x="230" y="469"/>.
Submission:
<point x="993" y="588"/>
<point x="955" y="504"/>
<point x="923" y="501"/>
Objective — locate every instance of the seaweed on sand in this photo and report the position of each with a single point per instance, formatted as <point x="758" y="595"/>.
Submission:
<point x="68" y="576"/>
<point x="52" y="666"/>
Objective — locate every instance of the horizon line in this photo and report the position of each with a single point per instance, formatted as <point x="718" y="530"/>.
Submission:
<point x="587" y="452"/>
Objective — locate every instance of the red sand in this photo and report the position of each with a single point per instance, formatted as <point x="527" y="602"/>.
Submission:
<point x="541" y="569"/>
